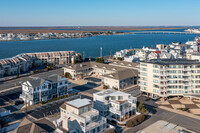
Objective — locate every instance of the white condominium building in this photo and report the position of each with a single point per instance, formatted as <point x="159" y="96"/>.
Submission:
<point x="115" y="104"/>
<point x="170" y="77"/>
<point x="37" y="89"/>
<point x="78" y="116"/>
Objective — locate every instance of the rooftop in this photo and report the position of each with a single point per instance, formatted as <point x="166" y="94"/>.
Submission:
<point x="173" y="61"/>
<point x="78" y="103"/>
<point x="39" y="126"/>
<point x="123" y="74"/>
<point x="110" y="92"/>
<point x="164" y="127"/>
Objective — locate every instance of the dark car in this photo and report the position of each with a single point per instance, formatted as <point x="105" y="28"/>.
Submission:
<point x="18" y="102"/>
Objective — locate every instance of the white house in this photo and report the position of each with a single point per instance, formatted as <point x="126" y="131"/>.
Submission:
<point x="78" y="116"/>
<point x="115" y="105"/>
<point x="38" y="89"/>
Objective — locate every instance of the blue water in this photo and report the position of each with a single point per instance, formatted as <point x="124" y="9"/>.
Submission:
<point x="173" y="30"/>
<point x="91" y="46"/>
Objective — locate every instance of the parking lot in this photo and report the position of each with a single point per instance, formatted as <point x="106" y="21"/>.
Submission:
<point x="93" y="79"/>
<point x="51" y="108"/>
<point x="9" y="96"/>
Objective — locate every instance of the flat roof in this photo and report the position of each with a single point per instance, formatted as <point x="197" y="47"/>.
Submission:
<point x="173" y="61"/>
<point x="78" y="103"/>
<point x="110" y="92"/>
<point x="164" y="127"/>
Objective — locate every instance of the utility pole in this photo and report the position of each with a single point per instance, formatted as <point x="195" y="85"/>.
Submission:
<point x="83" y="56"/>
<point x="101" y="52"/>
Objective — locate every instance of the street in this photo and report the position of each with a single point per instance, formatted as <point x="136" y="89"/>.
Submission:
<point x="160" y="114"/>
<point x="6" y="85"/>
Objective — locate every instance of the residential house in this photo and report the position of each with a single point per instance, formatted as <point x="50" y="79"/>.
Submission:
<point x="37" y="89"/>
<point x="115" y="105"/>
<point x="78" y="116"/>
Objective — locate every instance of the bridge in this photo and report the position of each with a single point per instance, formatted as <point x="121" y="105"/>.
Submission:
<point x="164" y="32"/>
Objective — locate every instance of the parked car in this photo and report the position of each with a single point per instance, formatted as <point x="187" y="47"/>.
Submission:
<point x="18" y="102"/>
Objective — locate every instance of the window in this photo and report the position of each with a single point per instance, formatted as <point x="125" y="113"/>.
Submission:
<point x="120" y="97"/>
<point x="155" y="81"/>
<point x="113" y="98"/>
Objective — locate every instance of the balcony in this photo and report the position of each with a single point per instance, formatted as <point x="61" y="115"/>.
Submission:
<point x="90" y="114"/>
<point x="187" y="69"/>
<point x="163" y="74"/>
<point x="119" y="112"/>
<point x="92" y="125"/>
<point x="165" y="79"/>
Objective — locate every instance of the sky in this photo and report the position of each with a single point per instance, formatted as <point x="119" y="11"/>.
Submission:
<point x="99" y="13"/>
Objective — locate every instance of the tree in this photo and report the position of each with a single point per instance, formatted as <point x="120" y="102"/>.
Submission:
<point x="119" y="58"/>
<point x="100" y="60"/>
<point x="105" y="86"/>
<point x="67" y="75"/>
<point x="79" y="58"/>
<point x="141" y="108"/>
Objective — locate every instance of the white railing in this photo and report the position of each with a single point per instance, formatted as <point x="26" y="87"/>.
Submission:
<point x="78" y="117"/>
<point x="91" y="115"/>
<point x="116" y="111"/>
<point x="96" y="124"/>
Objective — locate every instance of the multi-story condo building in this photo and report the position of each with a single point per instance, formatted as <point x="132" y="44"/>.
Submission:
<point x="121" y="79"/>
<point x="78" y="116"/>
<point x="24" y="62"/>
<point x="118" y="75"/>
<point x="58" y="57"/>
<point x="38" y="89"/>
<point x="115" y="105"/>
<point x="169" y="77"/>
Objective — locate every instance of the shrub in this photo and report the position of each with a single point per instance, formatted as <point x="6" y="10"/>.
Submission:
<point x="141" y="107"/>
<point x="119" y="58"/>
<point x="115" y="88"/>
<point x="67" y="75"/>
<point x="100" y="60"/>
<point x="136" y="120"/>
<point x="105" y="86"/>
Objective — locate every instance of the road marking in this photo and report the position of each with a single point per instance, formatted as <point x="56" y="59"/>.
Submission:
<point x="172" y="117"/>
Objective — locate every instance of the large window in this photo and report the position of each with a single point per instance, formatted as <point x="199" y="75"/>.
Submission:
<point x="113" y="97"/>
<point x="120" y="97"/>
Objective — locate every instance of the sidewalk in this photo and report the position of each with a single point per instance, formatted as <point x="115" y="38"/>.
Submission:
<point x="180" y="112"/>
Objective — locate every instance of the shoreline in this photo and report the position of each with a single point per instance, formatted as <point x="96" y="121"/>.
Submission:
<point x="82" y="29"/>
<point x="104" y="33"/>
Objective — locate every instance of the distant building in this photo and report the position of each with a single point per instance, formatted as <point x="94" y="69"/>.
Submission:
<point x="27" y="61"/>
<point x="169" y="77"/>
<point x="193" y="56"/>
<point x="117" y="74"/>
<point x="115" y="104"/>
<point x="123" y="53"/>
<point x="161" y="46"/>
<point x="38" y="89"/>
<point x="121" y="79"/>
<point x="78" y="116"/>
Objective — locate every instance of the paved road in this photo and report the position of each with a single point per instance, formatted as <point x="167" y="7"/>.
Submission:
<point x="160" y="114"/>
<point x="133" y="91"/>
<point x="6" y="85"/>
<point x="10" y="95"/>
